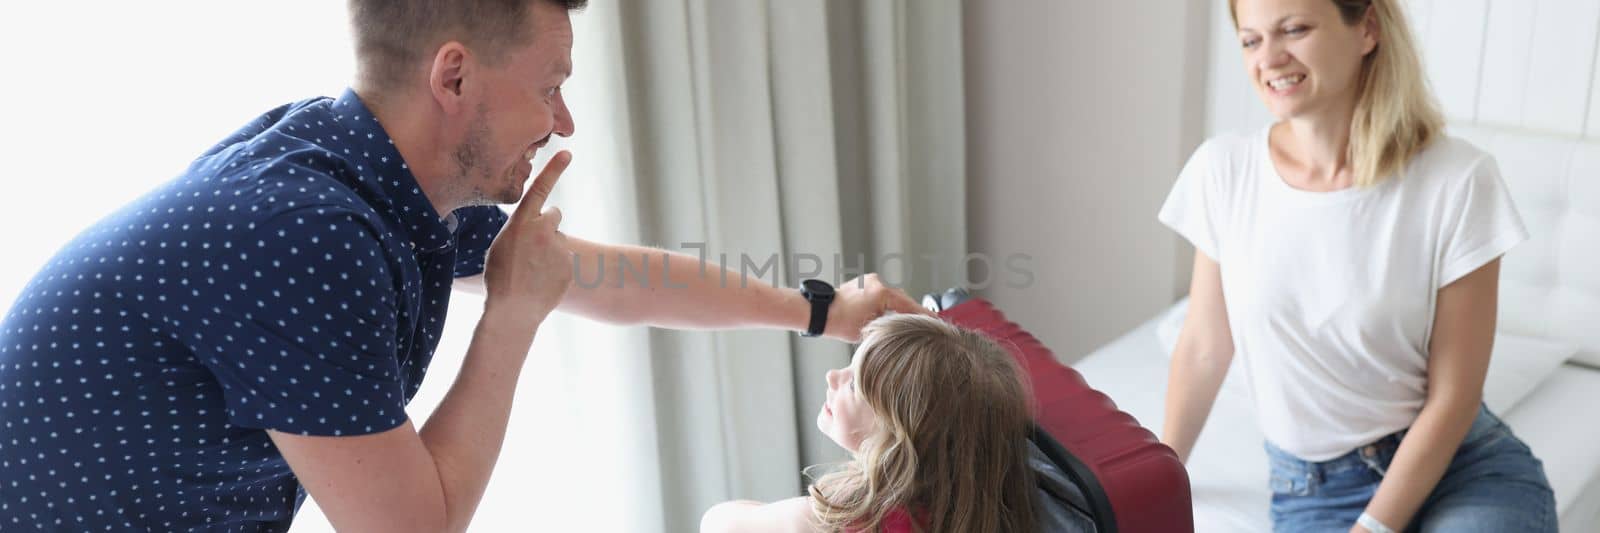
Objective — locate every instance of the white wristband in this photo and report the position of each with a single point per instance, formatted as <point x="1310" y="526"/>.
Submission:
<point x="1372" y="524"/>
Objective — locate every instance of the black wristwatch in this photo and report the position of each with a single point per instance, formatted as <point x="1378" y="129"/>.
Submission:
<point x="820" y="294"/>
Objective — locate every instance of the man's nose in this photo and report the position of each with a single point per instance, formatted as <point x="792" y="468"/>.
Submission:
<point x="564" y="125"/>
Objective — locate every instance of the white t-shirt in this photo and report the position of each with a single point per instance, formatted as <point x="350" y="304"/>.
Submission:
<point x="1331" y="295"/>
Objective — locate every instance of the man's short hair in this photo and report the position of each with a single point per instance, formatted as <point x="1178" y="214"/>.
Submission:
<point x="392" y="35"/>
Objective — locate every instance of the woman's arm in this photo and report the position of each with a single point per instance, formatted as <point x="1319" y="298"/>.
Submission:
<point x="787" y="516"/>
<point x="1458" y="359"/>
<point x="1199" y="360"/>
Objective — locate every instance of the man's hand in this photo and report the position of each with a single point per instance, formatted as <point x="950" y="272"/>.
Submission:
<point x="861" y="300"/>
<point x="529" y="267"/>
<point x="432" y="479"/>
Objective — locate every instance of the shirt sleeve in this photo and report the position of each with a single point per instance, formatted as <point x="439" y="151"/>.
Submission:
<point x="299" y="326"/>
<point x="1480" y="224"/>
<point x="1191" y="208"/>
<point x="475" y="231"/>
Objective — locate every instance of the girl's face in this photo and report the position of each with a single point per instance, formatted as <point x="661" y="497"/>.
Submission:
<point x="1300" y="55"/>
<point x="845" y="417"/>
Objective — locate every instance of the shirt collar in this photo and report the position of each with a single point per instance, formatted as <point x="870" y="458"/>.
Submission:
<point x="426" y="230"/>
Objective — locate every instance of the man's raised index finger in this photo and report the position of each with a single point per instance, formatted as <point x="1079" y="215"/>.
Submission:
<point x="545" y="183"/>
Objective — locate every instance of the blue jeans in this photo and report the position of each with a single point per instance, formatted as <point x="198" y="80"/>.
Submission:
<point x="1494" y="483"/>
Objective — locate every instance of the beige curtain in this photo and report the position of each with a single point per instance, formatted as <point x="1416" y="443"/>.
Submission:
<point x="788" y="127"/>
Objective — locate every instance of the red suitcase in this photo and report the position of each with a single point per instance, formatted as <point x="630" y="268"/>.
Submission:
<point x="1135" y="483"/>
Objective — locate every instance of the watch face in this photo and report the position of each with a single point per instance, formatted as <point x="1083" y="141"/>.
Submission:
<point x="817" y="287"/>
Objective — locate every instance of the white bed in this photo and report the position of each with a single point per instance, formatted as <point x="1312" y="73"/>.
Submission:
<point x="1550" y="289"/>
<point x="1228" y="468"/>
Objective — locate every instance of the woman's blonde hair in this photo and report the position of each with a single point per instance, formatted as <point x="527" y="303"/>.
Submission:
<point x="950" y="447"/>
<point x="1396" y="117"/>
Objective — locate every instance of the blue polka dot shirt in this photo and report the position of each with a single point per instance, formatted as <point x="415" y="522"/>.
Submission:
<point x="294" y="278"/>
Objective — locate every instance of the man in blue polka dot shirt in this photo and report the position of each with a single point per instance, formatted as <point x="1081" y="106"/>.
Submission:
<point x="257" y="325"/>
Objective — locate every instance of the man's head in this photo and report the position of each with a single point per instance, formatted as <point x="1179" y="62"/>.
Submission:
<point x="490" y="72"/>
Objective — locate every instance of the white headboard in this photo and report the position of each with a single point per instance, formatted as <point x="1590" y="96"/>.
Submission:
<point x="1517" y="78"/>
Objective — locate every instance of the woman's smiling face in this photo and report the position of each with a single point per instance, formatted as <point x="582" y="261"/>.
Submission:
<point x="1301" y="56"/>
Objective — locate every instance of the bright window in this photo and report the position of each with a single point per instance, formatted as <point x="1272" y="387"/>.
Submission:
<point x="104" y="101"/>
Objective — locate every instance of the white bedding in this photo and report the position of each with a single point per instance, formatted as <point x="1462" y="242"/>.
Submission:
<point x="1228" y="470"/>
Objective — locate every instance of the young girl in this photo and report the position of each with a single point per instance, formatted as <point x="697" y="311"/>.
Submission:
<point x="1350" y="254"/>
<point x="937" y="420"/>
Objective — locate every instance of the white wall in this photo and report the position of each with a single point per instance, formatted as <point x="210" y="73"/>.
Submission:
<point x="1080" y="115"/>
<point x="102" y="108"/>
<point x="1485" y="62"/>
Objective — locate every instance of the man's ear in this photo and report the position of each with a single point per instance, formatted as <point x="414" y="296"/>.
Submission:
<point x="451" y="65"/>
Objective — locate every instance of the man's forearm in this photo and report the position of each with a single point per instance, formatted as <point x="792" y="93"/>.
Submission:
<point x="638" y="285"/>
<point x="465" y="434"/>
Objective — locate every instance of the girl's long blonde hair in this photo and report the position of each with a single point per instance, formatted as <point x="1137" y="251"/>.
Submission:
<point x="950" y="447"/>
<point x="1396" y="116"/>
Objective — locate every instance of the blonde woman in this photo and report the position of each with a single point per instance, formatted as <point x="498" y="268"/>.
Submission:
<point x="1349" y="254"/>
<point x="937" y="421"/>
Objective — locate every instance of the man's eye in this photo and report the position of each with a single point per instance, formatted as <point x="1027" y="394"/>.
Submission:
<point x="1250" y="43"/>
<point x="1295" y="30"/>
